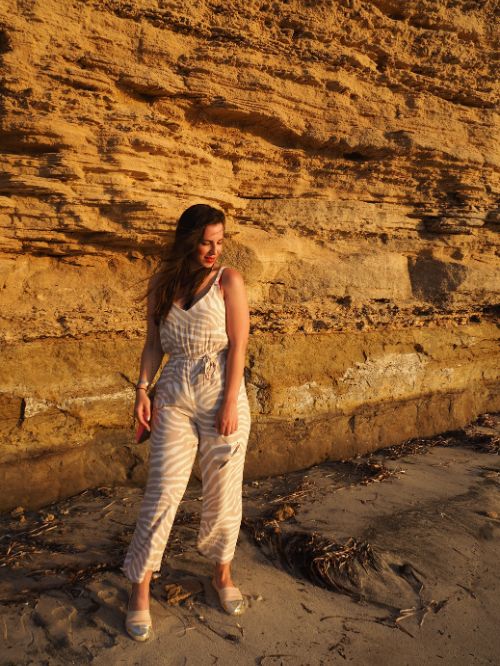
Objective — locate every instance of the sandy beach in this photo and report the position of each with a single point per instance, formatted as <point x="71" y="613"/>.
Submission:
<point x="384" y="559"/>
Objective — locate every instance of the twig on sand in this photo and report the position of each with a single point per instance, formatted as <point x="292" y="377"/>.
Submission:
<point x="263" y="660"/>
<point x="420" y="612"/>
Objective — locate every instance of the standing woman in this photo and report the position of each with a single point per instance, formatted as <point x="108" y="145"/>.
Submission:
<point x="198" y="314"/>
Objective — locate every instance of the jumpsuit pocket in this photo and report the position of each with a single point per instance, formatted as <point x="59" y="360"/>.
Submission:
<point x="224" y="447"/>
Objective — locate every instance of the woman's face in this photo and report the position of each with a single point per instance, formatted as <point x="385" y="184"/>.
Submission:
<point x="210" y="247"/>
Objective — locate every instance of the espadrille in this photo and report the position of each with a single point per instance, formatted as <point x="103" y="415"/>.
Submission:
<point x="138" y="624"/>
<point x="230" y="599"/>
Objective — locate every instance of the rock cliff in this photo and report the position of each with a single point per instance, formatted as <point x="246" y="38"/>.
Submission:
<point x="353" y="146"/>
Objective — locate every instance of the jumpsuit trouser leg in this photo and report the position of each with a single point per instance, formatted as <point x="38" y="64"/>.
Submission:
<point x="173" y="445"/>
<point x="175" y="435"/>
<point x="222" y="460"/>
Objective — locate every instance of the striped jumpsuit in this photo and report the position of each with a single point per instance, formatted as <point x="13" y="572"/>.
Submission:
<point x="188" y="395"/>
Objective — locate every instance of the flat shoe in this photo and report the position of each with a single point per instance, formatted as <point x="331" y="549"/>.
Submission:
<point x="138" y="624"/>
<point x="230" y="599"/>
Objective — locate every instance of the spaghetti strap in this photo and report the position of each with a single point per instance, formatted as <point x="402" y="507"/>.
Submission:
<point x="217" y="279"/>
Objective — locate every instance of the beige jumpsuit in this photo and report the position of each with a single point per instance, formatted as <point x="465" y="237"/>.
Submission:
<point x="188" y="395"/>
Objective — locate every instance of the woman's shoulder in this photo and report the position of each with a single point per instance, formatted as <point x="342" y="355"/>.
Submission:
<point x="231" y="282"/>
<point x="230" y="276"/>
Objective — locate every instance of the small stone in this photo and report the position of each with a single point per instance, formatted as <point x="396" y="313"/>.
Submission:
<point x="18" y="511"/>
<point x="492" y="514"/>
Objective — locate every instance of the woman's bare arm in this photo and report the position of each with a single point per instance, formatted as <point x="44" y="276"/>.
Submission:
<point x="237" y="327"/>
<point x="152" y="353"/>
<point x="151" y="358"/>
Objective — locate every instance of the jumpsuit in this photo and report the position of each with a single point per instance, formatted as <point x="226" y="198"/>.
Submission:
<point x="188" y="395"/>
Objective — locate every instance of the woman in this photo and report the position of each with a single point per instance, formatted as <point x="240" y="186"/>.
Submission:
<point x="198" y="314"/>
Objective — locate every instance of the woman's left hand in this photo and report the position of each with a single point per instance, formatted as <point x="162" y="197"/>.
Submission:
<point x="226" y="419"/>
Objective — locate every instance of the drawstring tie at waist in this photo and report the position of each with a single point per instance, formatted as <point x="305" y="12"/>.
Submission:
<point x="209" y="363"/>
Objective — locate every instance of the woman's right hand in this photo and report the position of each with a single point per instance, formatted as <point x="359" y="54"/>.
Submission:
<point x="142" y="409"/>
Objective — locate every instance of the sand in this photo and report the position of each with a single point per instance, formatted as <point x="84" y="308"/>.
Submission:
<point x="422" y="517"/>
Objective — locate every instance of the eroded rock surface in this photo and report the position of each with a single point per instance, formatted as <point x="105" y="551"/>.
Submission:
<point x="353" y="146"/>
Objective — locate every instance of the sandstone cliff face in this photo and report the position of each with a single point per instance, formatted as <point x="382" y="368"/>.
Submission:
<point x="354" y="148"/>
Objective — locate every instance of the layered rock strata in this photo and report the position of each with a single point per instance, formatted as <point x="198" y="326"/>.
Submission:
<point x="354" y="148"/>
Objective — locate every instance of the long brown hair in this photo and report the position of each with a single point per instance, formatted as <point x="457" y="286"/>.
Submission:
<point x="175" y="274"/>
